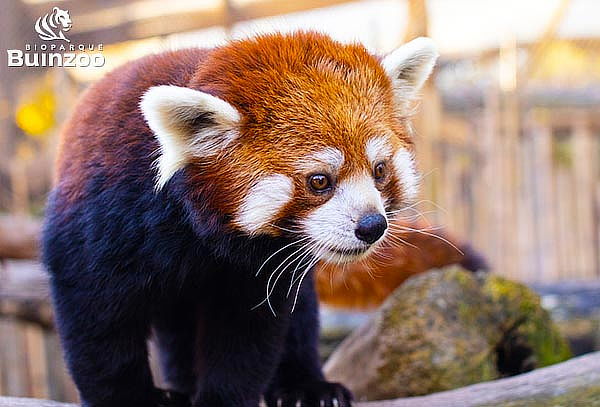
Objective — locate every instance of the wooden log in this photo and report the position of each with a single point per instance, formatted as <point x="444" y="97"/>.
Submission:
<point x="24" y="402"/>
<point x="19" y="237"/>
<point x="540" y="387"/>
<point x="26" y="299"/>
<point x="578" y="378"/>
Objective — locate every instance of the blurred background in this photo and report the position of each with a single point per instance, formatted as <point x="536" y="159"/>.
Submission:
<point x="508" y="133"/>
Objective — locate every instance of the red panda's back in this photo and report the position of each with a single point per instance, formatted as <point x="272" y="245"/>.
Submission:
<point x="106" y="134"/>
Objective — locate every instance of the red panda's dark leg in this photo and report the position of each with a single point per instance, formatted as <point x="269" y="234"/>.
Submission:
<point x="105" y="348"/>
<point x="239" y="352"/>
<point x="300" y="360"/>
<point x="175" y="336"/>
<point x="299" y="377"/>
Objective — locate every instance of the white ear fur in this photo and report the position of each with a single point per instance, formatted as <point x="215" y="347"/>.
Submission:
<point x="186" y="123"/>
<point x="409" y="67"/>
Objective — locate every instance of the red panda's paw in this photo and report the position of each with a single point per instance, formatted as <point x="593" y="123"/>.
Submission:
<point x="311" y="394"/>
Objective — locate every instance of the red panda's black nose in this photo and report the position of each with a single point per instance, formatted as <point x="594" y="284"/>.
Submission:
<point x="371" y="227"/>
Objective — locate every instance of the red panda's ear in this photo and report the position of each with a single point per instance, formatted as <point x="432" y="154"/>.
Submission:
<point x="187" y="123"/>
<point x="409" y="67"/>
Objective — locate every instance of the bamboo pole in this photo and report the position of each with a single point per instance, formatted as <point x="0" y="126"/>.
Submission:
<point x="584" y="175"/>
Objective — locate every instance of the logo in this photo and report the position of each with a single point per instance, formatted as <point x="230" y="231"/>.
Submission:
<point x="53" y="26"/>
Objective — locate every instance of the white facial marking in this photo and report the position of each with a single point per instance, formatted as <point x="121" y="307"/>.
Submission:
<point x="409" y="67"/>
<point x="262" y="203"/>
<point x="329" y="158"/>
<point x="332" y="225"/>
<point x="404" y="162"/>
<point x="186" y="123"/>
<point x="378" y="148"/>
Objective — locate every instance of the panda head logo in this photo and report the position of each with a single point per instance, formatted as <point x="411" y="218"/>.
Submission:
<point x="54" y="25"/>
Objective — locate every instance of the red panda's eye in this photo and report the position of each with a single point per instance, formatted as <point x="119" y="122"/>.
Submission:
<point x="379" y="171"/>
<point x="319" y="182"/>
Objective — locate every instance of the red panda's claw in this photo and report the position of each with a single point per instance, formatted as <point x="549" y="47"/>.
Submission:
<point x="318" y="394"/>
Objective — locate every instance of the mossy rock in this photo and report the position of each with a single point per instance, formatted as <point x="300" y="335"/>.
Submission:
<point x="520" y="307"/>
<point x="447" y="329"/>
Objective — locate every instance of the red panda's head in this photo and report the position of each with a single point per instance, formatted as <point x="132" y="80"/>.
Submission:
<point x="296" y="134"/>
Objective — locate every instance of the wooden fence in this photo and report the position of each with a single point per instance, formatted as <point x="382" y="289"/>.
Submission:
<point x="523" y="186"/>
<point x="31" y="361"/>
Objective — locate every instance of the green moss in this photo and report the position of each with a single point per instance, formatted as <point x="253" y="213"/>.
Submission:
<point x="548" y="344"/>
<point x="484" y="369"/>
<point x="521" y="306"/>
<point x="512" y="294"/>
<point x="462" y="278"/>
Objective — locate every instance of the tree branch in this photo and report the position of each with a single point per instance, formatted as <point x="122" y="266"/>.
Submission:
<point x="570" y="380"/>
<point x="19" y="237"/>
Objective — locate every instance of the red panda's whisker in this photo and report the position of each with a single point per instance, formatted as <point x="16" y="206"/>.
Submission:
<point x="418" y="214"/>
<point x="335" y="271"/>
<point x="398" y="239"/>
<point x="301" y="258"/>
<point x="285" y="229"/>
<point x="300" y="283"/>
<point x="344" y="276"/>
<point x="425" y="229"/>
<point x="379" y="257"/>
<point x="422" y="201"/>
<point x="306" y="254"/>
<point x="368" y="269"/>
<point x="277" y="251"/>
<point x="435" y="205"/>
<point x="289" y="263"/>
<point x="311" y="251"/>
<point x="404" y="242"/>
<point x="319" y="252"/>
<point x="414" y="204"/>
<point x="428" y="173"/>
<point x="398" y="211"/>
<point x="273" y="273"/>
<point x="449" y="243"/>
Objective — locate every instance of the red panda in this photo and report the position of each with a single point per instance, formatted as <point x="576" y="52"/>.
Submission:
<point x="196" y="190"/>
